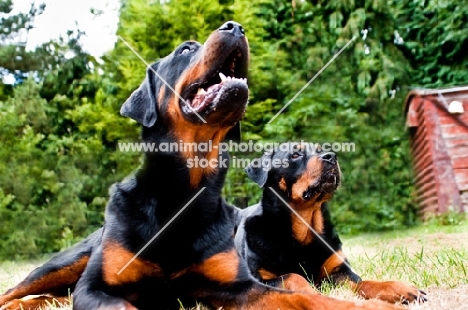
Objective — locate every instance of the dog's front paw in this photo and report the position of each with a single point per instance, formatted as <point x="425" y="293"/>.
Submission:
<point x="15" y="304"/>
<point x="41" y="302"/>
<point x="409" y="293"/>
<point x="391" y="291"/>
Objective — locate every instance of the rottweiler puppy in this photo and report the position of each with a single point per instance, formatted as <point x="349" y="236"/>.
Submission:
<point x="168" y="234"/>
<point x="290" y="230"/>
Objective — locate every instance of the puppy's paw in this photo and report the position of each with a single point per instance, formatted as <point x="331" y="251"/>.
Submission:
<point x="391" y="291"/>
<point x="15" y="304"/>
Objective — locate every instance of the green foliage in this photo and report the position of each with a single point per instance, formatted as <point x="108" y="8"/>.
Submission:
<point x="435" y="39"/>
<point x="39" y="192"/>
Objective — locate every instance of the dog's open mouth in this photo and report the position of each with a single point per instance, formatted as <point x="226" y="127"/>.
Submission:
<point x="203" y="98"/>
<point x="224" y="84"/>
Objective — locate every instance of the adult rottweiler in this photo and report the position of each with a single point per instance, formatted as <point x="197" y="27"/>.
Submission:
<point x="298" y="180"/>
<point x="170" y="209"/>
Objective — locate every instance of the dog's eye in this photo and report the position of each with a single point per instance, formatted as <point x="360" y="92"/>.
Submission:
<point x="185" y="50"/>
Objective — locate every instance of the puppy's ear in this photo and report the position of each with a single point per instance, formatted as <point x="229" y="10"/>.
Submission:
<point x="258" y="169"/>
<point x="234" y="134"/>
<point x="141" y="106"/>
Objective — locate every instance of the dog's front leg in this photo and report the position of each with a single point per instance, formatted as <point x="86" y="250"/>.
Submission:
<point x="89" y="292"/>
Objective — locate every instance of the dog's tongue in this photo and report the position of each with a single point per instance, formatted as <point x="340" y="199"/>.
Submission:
<point x="203" y="98"/>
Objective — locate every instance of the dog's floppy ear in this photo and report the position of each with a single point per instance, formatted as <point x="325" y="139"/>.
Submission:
<point x="141" y="106"/>
<point x="234" y="134"/>
<point x="259" y="168"/>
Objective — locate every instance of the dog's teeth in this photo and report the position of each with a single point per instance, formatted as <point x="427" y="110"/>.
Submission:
<point x="201" y="91"/>
<point x="223" y="77"/>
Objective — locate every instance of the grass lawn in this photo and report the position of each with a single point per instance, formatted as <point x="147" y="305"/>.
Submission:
<point x="433" y="257"/>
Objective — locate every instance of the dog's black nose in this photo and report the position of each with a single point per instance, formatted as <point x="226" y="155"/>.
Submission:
<point x="329" y="156"/>
<point x="233" y="28"/>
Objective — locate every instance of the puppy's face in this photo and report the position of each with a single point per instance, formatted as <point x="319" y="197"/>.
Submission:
<point x="301" y="173"/>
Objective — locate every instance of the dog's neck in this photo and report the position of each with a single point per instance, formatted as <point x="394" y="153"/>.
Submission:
<point x="211" y="156"/>
<point x="165" y="180"/>
<point x="187" y="158"/>
<point x="306" y="215"/>
<point x="312" y="216"/>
